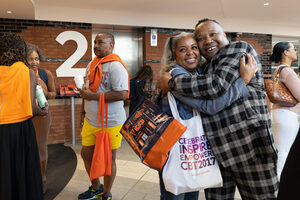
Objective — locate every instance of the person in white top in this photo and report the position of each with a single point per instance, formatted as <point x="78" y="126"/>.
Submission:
<point x="285" y="119"/>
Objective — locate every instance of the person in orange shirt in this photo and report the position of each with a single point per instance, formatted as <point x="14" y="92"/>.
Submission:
<point x="19" y="159"/>
<point x="41" y="124"/>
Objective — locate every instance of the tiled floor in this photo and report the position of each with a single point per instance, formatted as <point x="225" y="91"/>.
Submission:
<point x="134" y="180"/>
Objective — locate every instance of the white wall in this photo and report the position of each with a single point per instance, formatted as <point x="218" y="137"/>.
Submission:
<point x="234" y="15"/>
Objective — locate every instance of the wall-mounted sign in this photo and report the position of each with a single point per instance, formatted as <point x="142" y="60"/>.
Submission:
<point x="65" y="69"/>
<point x="153" y="39"/>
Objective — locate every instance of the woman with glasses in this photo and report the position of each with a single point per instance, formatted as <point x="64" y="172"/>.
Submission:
<point x="41" y="124"/>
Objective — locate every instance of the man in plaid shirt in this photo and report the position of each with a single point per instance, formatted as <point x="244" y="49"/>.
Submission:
<point x="239" y="135"/>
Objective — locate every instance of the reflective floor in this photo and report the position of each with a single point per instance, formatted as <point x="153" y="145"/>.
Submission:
<point x="134" y="180"/>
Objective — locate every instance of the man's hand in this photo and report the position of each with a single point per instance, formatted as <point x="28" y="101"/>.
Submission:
<point x="86" y="93"/>
<point x="248" y="70"/>
<point x="163" y="83"/>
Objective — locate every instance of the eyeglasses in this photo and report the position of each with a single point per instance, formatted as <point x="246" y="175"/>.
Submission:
<point x="33" y="59"/>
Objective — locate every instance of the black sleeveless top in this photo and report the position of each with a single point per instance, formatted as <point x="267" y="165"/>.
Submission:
<point x="43" y="75"/>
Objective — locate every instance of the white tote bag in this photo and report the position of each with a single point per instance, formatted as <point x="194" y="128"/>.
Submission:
<point x="191" y="165"/>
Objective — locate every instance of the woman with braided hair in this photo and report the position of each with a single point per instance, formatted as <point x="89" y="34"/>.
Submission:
<point x="20" y="172"/>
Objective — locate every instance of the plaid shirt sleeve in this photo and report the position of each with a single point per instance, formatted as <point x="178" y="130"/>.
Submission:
<point x="218" y="75"/>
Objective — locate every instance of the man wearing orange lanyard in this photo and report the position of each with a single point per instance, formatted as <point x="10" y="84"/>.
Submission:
<point x="105" y="74"/>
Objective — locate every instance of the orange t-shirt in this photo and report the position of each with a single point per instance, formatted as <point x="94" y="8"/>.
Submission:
<point x="15" y="101"/>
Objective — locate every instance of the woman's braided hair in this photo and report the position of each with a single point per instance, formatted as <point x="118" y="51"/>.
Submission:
<point x="12" y="49"/>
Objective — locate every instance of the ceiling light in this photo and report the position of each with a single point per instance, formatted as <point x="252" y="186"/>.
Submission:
<point x="9" y="12"/>
<point x="266" y="4"/>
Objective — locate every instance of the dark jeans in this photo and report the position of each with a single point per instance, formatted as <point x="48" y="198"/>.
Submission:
<point x="165" y="195"/>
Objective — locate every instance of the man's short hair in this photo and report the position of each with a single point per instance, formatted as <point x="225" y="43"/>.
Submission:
<point x="110" y="36"/>
<point x="207" y="20"/>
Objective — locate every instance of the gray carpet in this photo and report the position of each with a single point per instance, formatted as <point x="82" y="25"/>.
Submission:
<point x="62" y="162"/>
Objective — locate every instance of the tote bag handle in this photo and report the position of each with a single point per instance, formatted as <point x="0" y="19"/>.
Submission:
<point x="173" y="106"/>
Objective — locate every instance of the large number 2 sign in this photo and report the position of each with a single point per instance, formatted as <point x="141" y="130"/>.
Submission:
<point x="65" y="70"/>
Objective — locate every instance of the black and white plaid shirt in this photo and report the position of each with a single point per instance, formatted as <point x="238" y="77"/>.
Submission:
<point x="241" y="132"/>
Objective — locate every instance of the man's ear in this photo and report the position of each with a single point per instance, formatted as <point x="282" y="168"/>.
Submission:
<point x="112" y="46"/>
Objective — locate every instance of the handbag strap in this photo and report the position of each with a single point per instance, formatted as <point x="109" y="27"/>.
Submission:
<point x="103" y="108"/>
<point x="277" y="72"/>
